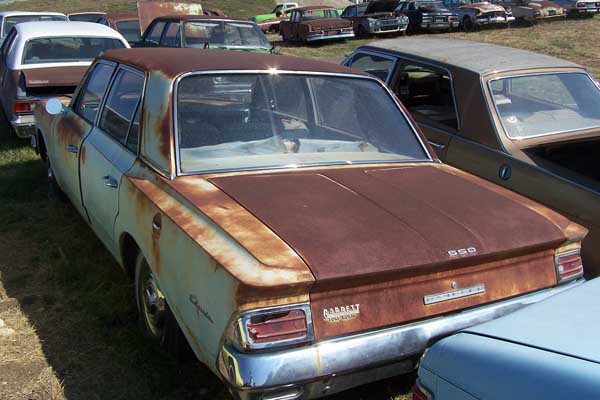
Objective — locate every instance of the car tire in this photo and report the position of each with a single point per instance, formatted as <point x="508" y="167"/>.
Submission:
<point x="156" y="320"/>
<point x="468" y="25"/>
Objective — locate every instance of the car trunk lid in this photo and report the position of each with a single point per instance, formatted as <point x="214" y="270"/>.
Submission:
<point x="378" y="240"/>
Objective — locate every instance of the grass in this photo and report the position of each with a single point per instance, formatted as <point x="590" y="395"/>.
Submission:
<point x="76" y="319"/>
<point x="233" y="8"/>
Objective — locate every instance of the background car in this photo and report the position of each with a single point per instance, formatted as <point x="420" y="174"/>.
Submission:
<point x="580" y="8"/>
<point x="205" y="32"/>
<point x="427" y="15"/>
<point x="40" y="60"/>
<point x="474" y="14"/>
<point x="220" y="179"/>
<point x="277" y="12"/>
<point x="534" y="11"/>
<point x="526" y="121"/>
<point x="376" y="17"/>
<point x="315" y="24"/>
<point x="547" y="351"/>
<point x="8" y="19"/>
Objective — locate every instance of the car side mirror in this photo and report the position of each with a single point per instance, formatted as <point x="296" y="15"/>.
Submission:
<point x="54" y="106"/>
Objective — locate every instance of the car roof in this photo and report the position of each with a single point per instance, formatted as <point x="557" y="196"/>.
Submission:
<point x="481" y="58"/>
<point x="28" y="30"/>
<point x="310" y="8"/>
<point x="174" y="62"/>
<point x="197" y="17"/>
<point x="567" y="323"/>
<point x="14" y="13"/>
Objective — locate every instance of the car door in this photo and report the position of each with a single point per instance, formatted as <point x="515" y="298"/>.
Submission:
<point x="72" y="126"/>
<point x="428" y="94"/>
<point x="111" y="149"/>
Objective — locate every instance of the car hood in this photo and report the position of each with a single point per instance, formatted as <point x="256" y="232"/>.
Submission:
<point x="485" y="7"/>
<point x="350" y="222"/>
<point x="328" y="23"/>
<point x="54" y="76"/>
<point x="567" y="324"/>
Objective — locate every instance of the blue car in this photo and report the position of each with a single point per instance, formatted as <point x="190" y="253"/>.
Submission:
<point x="550" y="350"/>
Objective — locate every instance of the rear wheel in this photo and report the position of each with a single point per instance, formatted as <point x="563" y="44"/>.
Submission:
<point x="157" y="322"/>
<point x="468" y="24"/>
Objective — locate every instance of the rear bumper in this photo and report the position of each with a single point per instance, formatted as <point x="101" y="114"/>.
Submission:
<point x="24" y="125"/>
<point x="316" y="38"/>
<point x="494" y="20"/>
<point x="586" y="10"/>
<point x="330" y="366"/>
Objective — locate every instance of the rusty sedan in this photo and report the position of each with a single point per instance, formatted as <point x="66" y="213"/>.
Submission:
<point x="523" y="120"/>
<point x="275" y="232"/>
<point x="44" y="59"/>
<point x="534" y="11"/>
<point x="315" y="24"/>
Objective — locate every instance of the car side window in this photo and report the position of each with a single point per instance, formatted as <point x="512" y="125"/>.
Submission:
<point x="427" y="92"/>
<point x="133" y="137"/>
<point x="378" y="66"/>
<point x="156" y="32"/>
<point x="121" y="104"/>
<point x="172" y="36"/>
<point x="90" y="98"/>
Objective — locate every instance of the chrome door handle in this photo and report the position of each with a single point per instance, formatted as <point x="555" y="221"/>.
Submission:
<point x="437" y="145"/>
<point x="110" y="182"/>
<point x="72" y="149"/>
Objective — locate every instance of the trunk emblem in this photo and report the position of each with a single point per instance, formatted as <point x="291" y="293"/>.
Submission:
<point x="454" y="294"/>
<point x="344" y="313"/>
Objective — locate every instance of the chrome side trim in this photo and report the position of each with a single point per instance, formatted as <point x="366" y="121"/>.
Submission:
<point x="327" y="359"/>
<point x="339" y="36"/>
<point x="178" y="171"/>
<point x="490" y="92"/>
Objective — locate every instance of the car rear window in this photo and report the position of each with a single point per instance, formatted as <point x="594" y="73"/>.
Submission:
<point x="67" y="49"/>
<point x="9" y="22"/>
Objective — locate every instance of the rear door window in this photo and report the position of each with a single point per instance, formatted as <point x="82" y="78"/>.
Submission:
<point x="172" y="36"/>
<point x="156" y="32"/>
<point x="378" y="66"/>
<point x="90" y="98"/>
<point x="121" y="104"/>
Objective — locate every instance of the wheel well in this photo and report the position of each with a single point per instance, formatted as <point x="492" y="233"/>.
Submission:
<point x="129" y="252"/>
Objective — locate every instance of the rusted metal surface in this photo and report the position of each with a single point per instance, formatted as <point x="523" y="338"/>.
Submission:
<point x="532" y="11"/>
<point x="54" y="76"/>
<point x="148" y="10"/>
<point x="301" y="30"/>
<point x="400" y="299"/>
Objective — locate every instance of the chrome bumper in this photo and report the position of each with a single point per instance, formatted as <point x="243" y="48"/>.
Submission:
<point x="381" y="30"/>
<point x="316" y="38"/>
<point x="439" y="25"/>
<point x="330" y="366"/>
<point x="494" y="20"/>
<point x="24" y="125"/>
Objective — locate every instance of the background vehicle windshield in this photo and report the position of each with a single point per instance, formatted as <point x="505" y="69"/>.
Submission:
<point x="130" y="29"/>
<point x="9" y="22"/>
<point x="252" y="121"/>
<point x="223" y="34"/>
<point x="310" y="15"/>
<point x="67" y="49"/>
<point x="536" y="105"/>
<point x="90" y="17"/>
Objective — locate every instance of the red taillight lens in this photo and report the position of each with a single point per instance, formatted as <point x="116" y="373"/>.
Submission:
<point x="568" y="265"/>
<point x="275" y="327"/>
<point x="580" y="5"/>
<point x="419" y="393"/>
<point x="22" y="107"/>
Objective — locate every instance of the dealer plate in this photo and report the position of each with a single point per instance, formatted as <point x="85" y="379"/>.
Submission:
<point x="454" y="294"/>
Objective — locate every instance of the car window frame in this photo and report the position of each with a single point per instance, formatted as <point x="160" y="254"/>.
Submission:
<point x="447" y="129"/>
<point x="151" y="29"/>
<point x="139" y="104"/>
<point x="8" y="43"/>
<point x="166" y="30"/>
<point x="77" y="97"/>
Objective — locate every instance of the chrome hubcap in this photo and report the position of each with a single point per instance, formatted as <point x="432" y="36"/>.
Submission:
<point x="154" y="305"/>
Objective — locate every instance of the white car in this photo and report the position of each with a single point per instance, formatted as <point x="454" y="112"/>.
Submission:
<point x="47" y="59"/>
<point x="8" y="19"/>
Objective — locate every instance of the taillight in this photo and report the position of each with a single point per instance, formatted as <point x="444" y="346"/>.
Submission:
<point x="23" y="107"/>
<point x="420" y="393"/>
<point x="276" y="327"/>
<point x="568" y="264"/>
<point x="597" y="4"/>
<point x="580" y="5"/>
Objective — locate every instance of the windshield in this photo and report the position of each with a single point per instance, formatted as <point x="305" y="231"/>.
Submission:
<point x="223" y="34"/>
<point x="91" y="17"/>
<point x="130" y="29"/>
<point x="254" y="121"/>
<point x="537" y="105"/>
<point x="67" y="49"/>
<point x="9" y="22"/>
<point x="431" y="6"/>
<point x="309" y="15"/>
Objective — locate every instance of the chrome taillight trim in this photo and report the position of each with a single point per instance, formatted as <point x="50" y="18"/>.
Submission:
<point x="246" y="341"/>
<point x="569" y="278"/>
